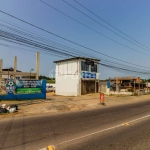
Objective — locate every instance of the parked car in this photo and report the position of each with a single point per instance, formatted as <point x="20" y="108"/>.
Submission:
<point x="50" y="89"/>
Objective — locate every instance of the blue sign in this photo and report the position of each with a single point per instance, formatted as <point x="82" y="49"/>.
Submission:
<point x="88" y="75"/>
<point x="108" y="84"/>
<point x="11" y="95"/>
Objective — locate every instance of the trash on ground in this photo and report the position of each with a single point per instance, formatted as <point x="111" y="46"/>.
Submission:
<point x="11" y="108"/>
<point x="3" y="105"/>
<point x="3" y="110"/>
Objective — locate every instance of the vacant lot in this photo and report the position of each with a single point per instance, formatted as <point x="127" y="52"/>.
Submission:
<point x="58" y="104"/>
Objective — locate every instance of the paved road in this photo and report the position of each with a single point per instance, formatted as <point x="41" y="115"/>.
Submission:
<point x="99" y="129"/>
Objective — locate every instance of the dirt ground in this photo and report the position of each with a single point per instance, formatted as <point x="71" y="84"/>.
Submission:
<point x="58" y="104"/>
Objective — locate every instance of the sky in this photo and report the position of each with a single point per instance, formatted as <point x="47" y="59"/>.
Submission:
<point x="131" y="17"/>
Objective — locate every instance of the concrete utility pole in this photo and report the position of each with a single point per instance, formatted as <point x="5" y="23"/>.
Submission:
<point x="37" y="65"/>
<point x="15" y="66"/>
<point x="1" y="67"/>
<point x="139" y="86"/>
<point x="134" y="85"/>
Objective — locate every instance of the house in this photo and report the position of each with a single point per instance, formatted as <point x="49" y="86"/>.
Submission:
<point x="77" y="76"/>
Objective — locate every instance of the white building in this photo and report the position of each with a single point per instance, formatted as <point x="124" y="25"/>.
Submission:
<point x="77" y="76"/>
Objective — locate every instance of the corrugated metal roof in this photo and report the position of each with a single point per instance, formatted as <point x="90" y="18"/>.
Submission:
<point x="85" y="58"/>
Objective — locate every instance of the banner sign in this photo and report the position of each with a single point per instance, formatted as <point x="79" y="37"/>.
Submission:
<point x="28" y="86"/>
<point x="88" y="75"/>
<point x="23" y="89"/>
<point x="28" y="83"/>
<point x="28" y="90"/>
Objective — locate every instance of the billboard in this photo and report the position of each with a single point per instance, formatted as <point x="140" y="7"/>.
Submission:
<point x="28" y="86"/>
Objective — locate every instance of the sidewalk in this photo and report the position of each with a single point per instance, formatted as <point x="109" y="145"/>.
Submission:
<point x="58" y="104"/>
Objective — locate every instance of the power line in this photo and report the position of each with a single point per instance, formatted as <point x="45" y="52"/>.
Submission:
<point x="69" y="40"/>
<point x="93" y="29"/>
<point x="57" y="44"/>
<point x="45" y="48"/>
<point x="109" y="23"/>
<point x="103" y="25"/>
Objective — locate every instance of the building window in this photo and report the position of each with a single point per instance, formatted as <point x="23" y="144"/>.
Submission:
<point x="84" y="67"/>
<point x="94" y="68"/>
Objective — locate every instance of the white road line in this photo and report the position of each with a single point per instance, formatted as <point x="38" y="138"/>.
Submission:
<point x="93" y="133"/>
<point x="117" y="126"/>
<point x="138" y="119"/>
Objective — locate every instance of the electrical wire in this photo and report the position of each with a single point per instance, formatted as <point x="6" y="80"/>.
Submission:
<point x="109" y="23"/>
<point x="68" y="40"/>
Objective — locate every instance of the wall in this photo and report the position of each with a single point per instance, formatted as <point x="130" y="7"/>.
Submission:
<point x="12" y="96"/>
<point x="67" y="78"/>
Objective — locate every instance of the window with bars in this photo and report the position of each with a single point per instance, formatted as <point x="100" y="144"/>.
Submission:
<point x="84" y="67"/>
<point x="94" y="68"/>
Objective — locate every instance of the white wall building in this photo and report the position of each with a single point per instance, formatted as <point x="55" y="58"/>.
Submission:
<point x="77" y="76"/>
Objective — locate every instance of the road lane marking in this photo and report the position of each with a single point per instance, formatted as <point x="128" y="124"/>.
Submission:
<point x="117" y="126"/>
<point x="126" y="124"/>
<point x="107" y="129"/>
<point x="138" y="119"/>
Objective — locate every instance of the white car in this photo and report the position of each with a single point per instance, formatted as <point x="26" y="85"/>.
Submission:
<point x="50" y="89"/>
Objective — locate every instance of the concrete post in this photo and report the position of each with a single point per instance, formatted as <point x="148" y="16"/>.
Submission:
<point x="15" y="66"/>
<point x="117" y="88"/>
<point x="1" y="67"/>
<point x="139" y="87"/>
<point x="37" y="65"/>
<point x="134" y="85"/>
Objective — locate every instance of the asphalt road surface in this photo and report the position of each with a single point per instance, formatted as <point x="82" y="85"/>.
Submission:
<point x="117" y="128"/>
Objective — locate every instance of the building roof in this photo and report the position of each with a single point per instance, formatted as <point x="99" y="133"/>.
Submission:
<point x="126" y="78"/>
<point x="85" y="58"/>
<point x="10" y="69"/>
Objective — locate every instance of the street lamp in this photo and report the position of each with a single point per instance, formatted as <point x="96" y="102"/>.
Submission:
<point x="30" y="73"/>
<point x="30" y="76"/>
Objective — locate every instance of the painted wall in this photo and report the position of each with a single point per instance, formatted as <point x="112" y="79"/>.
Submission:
<point x="11" y="96"/>
<point x="67" y="78"/>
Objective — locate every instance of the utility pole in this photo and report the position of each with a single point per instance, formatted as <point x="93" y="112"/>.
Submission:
<point x="139" y="86"/>
<point x="37" y="65"/>
<point x="15" y="66"/>
<point x="134" y="85"/>
<point x="117" y="90"/>
<point x="1" y="66"/>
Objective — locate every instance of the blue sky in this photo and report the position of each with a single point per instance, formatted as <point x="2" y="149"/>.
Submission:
<point x="131" y="17"/>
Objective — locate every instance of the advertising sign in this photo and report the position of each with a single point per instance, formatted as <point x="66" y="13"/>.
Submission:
<point x="28" y="86"/>
<point x="28" y="83"/>
<point x="23" y="90"/>
<point x="88" y="75"/>
<point x="28" y="90"/>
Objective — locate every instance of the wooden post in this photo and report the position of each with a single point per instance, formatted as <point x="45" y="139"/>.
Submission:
<point x="117" y="88"/>
<point x="1" y="67"/>
<point x="139" y="86"/>
<point x="134" y="85"/>
<point x="15" y="66"/>
<point x="37" y="65"/>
